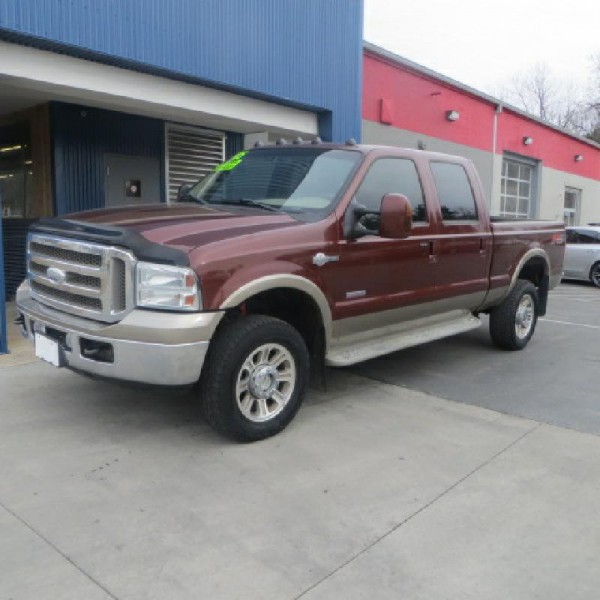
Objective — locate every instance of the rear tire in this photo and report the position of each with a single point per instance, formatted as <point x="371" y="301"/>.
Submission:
<point x="254" y="378"/>
<point x="595" y="274"/>
<point x="513" y="322"/>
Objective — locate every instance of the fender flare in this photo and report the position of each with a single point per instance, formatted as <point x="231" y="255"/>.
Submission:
<point x="531" y="253"/>
<point x="283" y="280"/>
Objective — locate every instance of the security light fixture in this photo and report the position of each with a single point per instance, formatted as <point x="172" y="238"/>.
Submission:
<point x="452" y="115"/>
<point x="578" y="157"/>
<point x="528" y="140"/>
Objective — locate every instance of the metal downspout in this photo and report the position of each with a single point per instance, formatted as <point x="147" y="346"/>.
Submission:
<point x="497" y="111"/>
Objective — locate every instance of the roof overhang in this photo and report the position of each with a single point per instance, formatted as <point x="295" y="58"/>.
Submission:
<point x="30" y="76"/>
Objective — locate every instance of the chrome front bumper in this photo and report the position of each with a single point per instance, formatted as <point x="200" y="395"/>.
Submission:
<point x="146" y="346"/>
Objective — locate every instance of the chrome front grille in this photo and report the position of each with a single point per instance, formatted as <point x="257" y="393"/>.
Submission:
<point x="81" y="278"/>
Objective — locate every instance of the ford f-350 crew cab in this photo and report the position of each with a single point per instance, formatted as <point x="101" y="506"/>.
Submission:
<point x="282" y="260"/>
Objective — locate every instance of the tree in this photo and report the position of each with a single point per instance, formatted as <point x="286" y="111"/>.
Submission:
<point x="538" y="92"/>
<point x="594" y="104"/>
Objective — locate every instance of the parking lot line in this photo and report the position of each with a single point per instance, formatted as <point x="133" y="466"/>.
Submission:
<point x="569" y="323"/>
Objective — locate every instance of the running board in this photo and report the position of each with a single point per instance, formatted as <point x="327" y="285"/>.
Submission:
<point x="354" y="349"/>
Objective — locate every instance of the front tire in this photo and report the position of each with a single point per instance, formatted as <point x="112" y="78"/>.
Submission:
<point x="254" y="378"/>
<point x="595" y="274"/>
<point x="513" y="322"/>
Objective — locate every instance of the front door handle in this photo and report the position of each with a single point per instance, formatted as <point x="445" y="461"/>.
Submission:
<point x="320" y="259"/>
<point x="429" y="245"/>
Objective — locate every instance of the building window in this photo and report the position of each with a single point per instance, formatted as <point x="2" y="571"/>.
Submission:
<point x="516" y="192"/>
<point x="572" y="206"/>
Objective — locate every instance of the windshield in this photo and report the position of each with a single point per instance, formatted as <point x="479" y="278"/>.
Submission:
<point x="304" y="182"/>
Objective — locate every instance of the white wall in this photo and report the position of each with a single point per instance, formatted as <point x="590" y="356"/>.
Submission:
<point x="552" y="195"/>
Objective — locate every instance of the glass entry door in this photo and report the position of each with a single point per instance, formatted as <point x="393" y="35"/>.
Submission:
<point x="16" y="199"/>
<point x="16" y="171"/>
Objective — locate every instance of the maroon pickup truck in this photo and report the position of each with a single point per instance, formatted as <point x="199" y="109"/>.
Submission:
<point x="283" y="260"/>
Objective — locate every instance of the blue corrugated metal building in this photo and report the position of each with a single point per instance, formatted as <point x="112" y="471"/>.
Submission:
<point x="105" y="97"/>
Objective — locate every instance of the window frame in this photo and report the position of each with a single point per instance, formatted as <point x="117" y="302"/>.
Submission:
<point x="532" y="206"/>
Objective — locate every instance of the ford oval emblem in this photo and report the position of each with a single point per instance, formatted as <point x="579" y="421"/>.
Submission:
<point x="56" y="275"/>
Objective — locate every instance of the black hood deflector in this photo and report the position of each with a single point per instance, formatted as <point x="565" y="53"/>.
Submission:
<point x="114" y="236"/>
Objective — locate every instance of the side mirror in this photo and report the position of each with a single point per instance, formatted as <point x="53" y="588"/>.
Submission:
<point x="396" y="216"/>
<point x="183" y="192"/>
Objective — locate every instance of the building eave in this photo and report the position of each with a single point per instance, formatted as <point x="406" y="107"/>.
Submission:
<point x="410" y="65"/>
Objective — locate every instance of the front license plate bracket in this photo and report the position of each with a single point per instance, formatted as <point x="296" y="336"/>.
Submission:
<point x="48" y="350"/>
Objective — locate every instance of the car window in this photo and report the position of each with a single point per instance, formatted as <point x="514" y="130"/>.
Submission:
<point x="392" y="176"/>
<point x="578" y="236"/>
<point x="454" y="192"/>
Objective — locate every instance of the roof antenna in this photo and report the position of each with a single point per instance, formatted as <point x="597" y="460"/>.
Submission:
<point x="317" y="140"/>
<point x="298" y="140"/>
<point x="281" y="142"/>
<point x="258" y="144"/>
<point x="351" y="142"/>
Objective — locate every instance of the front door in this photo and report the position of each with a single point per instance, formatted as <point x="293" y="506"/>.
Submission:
<point x="378" y="281"/>
<point x="131" y="180"/>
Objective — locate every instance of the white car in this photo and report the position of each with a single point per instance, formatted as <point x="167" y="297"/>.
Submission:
<point x="582" y="257"/>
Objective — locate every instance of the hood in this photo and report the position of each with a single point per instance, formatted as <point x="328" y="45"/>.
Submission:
<point x="185" y="226"/>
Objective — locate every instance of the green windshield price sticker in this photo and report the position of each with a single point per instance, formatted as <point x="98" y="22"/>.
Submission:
<point x="232" y="163"/>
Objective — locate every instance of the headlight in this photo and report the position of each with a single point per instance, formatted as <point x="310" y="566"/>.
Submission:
<point x="166" y="287"/>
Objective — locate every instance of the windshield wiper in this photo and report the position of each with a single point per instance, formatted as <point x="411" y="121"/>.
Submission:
<point x="256" y="203"/>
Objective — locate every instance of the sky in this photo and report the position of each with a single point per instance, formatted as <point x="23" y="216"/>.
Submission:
<point x="482" y="43"/>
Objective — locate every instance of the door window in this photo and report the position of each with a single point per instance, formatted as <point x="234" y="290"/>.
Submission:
<point x="581" y="236"/>
<point x="571" y="206"/>
<point x="454" y="192"/>
<point x="392" y="176"/>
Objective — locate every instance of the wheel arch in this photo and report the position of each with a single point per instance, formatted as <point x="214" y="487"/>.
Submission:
<point x="299" y="291"/>
<point x="594" y="264"/>
<point x="534" y="266"/>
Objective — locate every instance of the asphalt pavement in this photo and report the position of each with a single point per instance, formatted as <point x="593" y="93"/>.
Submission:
<point x="375" y="491"/>
<point x="553" y="380"/>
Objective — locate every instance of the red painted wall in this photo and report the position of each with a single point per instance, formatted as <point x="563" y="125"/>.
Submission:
<point x="417" y="103"/>
<point x="554" y="149"/>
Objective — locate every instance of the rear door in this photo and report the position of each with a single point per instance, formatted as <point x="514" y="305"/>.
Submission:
<point x="379" y="281"/>
<point x="462" y="246"/>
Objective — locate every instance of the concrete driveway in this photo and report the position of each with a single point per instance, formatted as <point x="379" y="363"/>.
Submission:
<point x="375" y="491"/>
